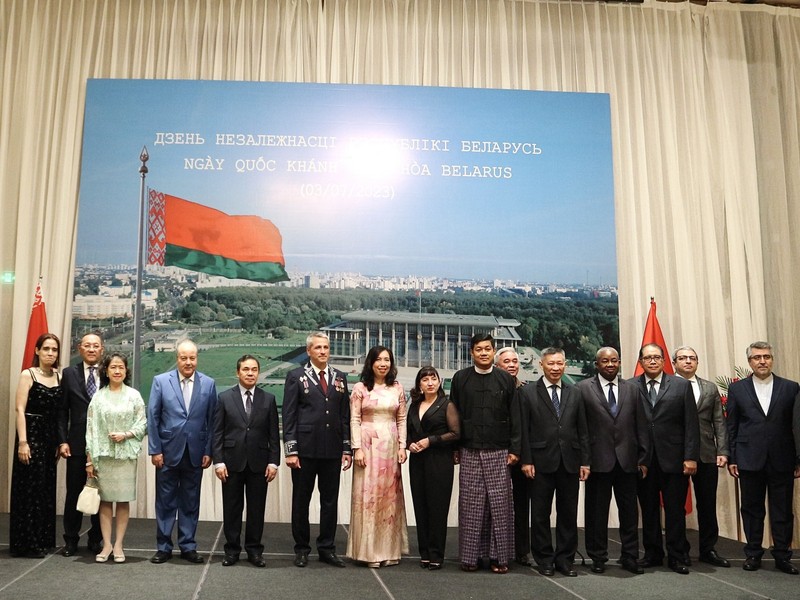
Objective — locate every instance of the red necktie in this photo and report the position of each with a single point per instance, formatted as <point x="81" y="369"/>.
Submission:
<point x="322" y="383"/>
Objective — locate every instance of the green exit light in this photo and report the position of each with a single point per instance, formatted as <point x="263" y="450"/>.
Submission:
<point x="8" y="277"/>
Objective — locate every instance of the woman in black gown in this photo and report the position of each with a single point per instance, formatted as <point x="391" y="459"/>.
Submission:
<point x="33" y="479"/>
<point x="433" y="427"/>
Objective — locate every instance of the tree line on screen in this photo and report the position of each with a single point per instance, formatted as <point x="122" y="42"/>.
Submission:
<point x="572" y="321"/>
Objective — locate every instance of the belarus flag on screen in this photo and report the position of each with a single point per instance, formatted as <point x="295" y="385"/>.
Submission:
<point x="200" y="238"/>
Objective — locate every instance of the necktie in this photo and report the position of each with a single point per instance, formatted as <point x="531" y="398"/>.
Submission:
<point x="556" y="402"/>
<point x="653" y="394"/>
<point x="248" y="403"/>
<point x="187" y="392"/>
<point x="322" y="383"/>
<point x="91" y="384"/>
<point x="612" y="400"/>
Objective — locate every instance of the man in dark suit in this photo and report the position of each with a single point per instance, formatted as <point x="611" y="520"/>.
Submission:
<point x="79" y="382"/>
<point x="180" y="416"/>
<point x="764" y="435"/>
<point x="675" y="442"/>
<point x="620" y="448"/>
<point x="508" y="360"/>
<point x="316" y="434"/>
<point x="555" y="457"/>
<point x="713" y="453"/>
<point x="246" y="452"/>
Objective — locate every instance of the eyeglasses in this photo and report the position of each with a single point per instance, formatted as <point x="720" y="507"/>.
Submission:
<point x="686" y="358"/>
<point x="649" y="359"/>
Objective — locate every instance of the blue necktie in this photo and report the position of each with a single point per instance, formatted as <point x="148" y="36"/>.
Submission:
<point x="612" y="400"/>
<point x="91" y="384"/>
<point x="556" y="402"/>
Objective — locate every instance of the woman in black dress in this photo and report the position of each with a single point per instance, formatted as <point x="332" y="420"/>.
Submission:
<point x="32" y="529"/>
<point x="433" y="427"/>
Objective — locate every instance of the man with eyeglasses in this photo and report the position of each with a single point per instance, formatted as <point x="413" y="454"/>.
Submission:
<point x="620" y="443"/>
<point x="675" y="440"/>
<point x="713" y="453"/>
<point x="764" y="435"/>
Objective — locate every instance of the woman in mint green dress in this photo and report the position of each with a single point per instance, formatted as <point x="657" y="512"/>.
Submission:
<point x="115" y="426"/>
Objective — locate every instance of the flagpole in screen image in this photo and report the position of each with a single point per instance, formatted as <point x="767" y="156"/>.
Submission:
<point x="407" y="216"/>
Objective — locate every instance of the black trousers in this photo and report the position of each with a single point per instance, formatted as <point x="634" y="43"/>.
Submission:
<point x="704" y="483"/>
<point x="522" y="511"/>
<point x="672" y="487"/>
<point x="241" y="485"/>
<point x="597" y="500"/>
<point x="73" y="518"/>
<point x="325" y="472"/>
<point x="779" y="487"/>
<point x="542" y="488"/>
<point x="431" y="479"/>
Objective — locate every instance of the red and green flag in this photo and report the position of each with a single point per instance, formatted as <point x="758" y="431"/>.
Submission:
<point x="192" y="236"/>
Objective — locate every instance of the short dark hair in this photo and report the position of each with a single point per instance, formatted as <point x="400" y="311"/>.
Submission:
<point x="244" y="358"/>
<point x="481" y="337"/>
<point x="104" y="378"/>
<point x="368" y="376"/>
<point x="641" y="350"/>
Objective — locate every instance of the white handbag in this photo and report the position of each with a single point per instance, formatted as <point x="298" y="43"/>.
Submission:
<point x="89" y="498"/>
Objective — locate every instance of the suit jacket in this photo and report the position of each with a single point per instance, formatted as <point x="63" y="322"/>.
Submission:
<point x="242" y="441"/>
<point x="759" y="441"/>
<point x="170" y="428"/>
<point x="674" y="428"/>
<point x="548" y="439"/>
<point x="72" y="414"/>
<point x="316" y="425"/>
<point x="713" y="431"/>
<point x="624" y="438"/>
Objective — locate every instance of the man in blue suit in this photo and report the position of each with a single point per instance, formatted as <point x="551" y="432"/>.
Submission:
<point x="764" y="439"/>
<point x="180" y="417"/>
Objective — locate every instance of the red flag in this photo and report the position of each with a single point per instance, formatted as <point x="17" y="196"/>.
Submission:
<point x="653" y="335"/>
<point x="36" y="326"/>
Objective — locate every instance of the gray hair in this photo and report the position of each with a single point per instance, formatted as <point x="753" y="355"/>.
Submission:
<point x="503" y="351"/>
<point x="758" y="346"/>
<point x="679" y="348"/>
<point x="553" y="350"/>
<point x="316" y="334"/>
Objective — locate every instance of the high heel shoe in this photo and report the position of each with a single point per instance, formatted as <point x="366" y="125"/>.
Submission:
<point x="119" y="558"/>
<point x="102" y="557"/>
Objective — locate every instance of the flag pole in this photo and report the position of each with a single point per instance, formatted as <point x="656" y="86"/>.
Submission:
<point x="137" y="309"/>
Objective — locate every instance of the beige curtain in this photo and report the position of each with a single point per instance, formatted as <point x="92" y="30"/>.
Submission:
<point x="704" y="107"/>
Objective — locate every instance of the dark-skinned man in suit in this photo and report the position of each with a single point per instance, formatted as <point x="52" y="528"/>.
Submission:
<point x="764" y="436"/>
<point x="620" y="449"/>
<point x="555" y="458"/>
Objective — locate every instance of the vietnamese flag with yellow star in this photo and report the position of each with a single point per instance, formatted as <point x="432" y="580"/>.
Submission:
<point x="192" y="236"/>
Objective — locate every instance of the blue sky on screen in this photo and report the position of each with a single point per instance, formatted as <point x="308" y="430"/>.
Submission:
<point x="387" y="209"/>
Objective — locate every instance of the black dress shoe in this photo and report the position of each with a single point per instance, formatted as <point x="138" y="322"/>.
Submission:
<point x="631" y="566"/>
<point x="192" y="556"/>
<point x="678" y="567"/>
<point x="646" y="562"/>
<point x="256" y="560"/>
<point x="71" y="549"/>
<point x="301" y="559"/>
<point x="95" y="547"/>
<point x="686" y="561"/>
<point x="715" y="559"/>
<point x="784" y="565"/>
<point x="567" y="570"/>
<point x="331" y="559"/>
<point x="229" y="560"/>
<point x="547" y="570"/>
<point x="598" y="566"/>
<point x="752" y="563"/>
<point x="160" y="557"/>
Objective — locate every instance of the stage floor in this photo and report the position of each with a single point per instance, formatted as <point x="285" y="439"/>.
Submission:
<point x="79" y="577"/>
